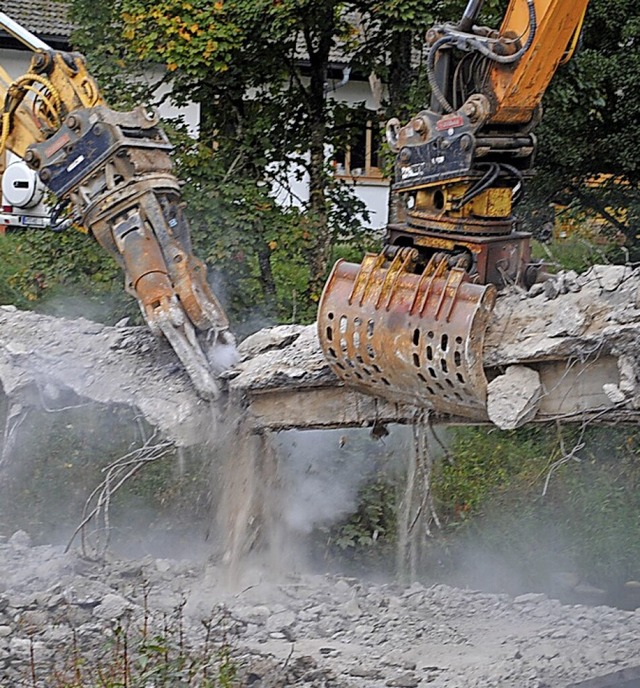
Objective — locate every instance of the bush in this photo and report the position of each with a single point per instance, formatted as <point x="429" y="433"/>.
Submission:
<point x="157" y="653"/>
<point x="493" y="496"/>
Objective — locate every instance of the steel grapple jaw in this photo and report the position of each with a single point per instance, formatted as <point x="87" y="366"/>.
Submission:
<point x="414" y="338"/>
<point x="115" y="170"/>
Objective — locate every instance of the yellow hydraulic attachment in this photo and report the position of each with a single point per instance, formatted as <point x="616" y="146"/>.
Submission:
<point x="409" y="323"/>
<point x="114" y="171"/>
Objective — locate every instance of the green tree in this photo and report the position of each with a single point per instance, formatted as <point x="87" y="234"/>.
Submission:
<point x="588" y="128"/>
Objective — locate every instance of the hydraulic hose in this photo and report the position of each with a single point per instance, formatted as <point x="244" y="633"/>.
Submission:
<point x="433" y="82"/>
<point x="509" y="59"/>
<point x="470" y="15"/>
<point x="493" y="172"/>
<point x="481" y="185"/>
<point x="518" y="190"/>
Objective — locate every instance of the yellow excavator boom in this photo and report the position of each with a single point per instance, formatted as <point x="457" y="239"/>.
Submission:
<point x="550" y="29"/>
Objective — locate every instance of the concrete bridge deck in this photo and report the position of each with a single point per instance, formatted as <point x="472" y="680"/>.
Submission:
<point x="567" y="350"/>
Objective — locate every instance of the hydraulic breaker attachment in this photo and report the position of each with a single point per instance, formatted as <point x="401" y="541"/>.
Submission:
<point x="412" y="337"/>
<point x="114" y="171"/>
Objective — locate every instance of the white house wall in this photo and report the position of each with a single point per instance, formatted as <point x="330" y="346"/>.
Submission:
<point x="373" y="193"/>
<point x="15" y="62"/>
<point x="353" y="92"/>
<point x="376" y="199"/>
<point x="189" y="114"/>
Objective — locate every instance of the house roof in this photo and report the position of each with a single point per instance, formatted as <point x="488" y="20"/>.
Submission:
<point x="47" y="19"/>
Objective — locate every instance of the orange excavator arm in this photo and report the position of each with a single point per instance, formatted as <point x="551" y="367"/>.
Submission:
<point x="113" y="169"/>
<point x="409" y="323"/>
<point x="516" y="62"/>
<point x="549" y="32"/>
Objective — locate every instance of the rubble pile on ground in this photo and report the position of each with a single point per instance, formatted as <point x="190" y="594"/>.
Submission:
<point x="302" y="629"/>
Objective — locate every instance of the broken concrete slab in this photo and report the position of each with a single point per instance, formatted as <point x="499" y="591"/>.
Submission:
<point x="574" y="338"/>
<point x="599" y="317"/>
<point x="297" y="364"/>
<point x="583" y="343"/>
<point x="268" y="339"/>
<point x="42" y="358"/>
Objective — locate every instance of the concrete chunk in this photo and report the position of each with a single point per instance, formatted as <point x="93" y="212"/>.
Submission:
<point x="514" y="398"/>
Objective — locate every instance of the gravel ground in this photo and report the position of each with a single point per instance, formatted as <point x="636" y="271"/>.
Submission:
<point x="303" y="629"/>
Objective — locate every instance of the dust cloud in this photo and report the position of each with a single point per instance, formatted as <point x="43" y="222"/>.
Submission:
<point x="321" y="475"/>
<point x="57" y="450"/>
<point x="222" y="356"/>
<point x="273" y="491"/>
<point x="232" y="496"/>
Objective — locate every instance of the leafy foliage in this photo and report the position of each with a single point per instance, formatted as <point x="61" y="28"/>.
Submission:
<point x="486" y="462"/>
<point x="11" y="263"/>
<point x="123" y="77"/>
<point x="57" y="462"/>
<point x="65" y="274"/>
<point x="588" y="128"/>
<point x="373" y="520"/>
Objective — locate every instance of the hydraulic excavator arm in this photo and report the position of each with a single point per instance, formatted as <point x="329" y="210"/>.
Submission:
<point x="113" y="169"/>
<point x="409" y="324"/>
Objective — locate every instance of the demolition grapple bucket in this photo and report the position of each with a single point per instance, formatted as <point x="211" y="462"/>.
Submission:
<point x="411" y="337"/>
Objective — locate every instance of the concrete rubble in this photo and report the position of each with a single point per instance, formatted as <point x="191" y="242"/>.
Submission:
<point x="578" y="335"/>
<point x="513" y="399"/>
<point x="296" y="362"/>
<point x="575" y="337"/>
<point x="569" y="316"/>
<point x="45" y="360"/>
<point x="303" y="629"/>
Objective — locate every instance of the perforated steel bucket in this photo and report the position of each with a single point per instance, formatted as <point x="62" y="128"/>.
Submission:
<point x="413" y="338"/>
